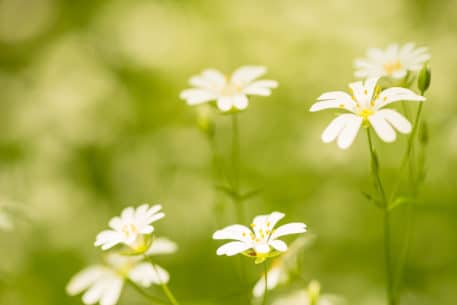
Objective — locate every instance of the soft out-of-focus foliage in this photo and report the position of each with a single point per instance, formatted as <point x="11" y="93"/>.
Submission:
<point x="91" y="122"/>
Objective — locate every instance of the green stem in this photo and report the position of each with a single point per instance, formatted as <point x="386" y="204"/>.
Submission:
<point x="236" y="167"/>
<point x="386" y="220"/>
<point x="153" y="299"/>
<point x="409" y="212"/>
<point x="165" y="288"/>
<point x="264" y="302"/>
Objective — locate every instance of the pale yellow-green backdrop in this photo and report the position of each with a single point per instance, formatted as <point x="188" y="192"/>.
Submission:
<point x="90" y="122"/>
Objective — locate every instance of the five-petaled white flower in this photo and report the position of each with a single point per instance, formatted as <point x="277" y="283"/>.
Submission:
<point x="132" y="228"/>
<point x="103" y="283"/>
<point x="259" y="242"/>
<point x="394" y="62"/>
<point x="230" y="92"/>
<point x="365" y="106"/>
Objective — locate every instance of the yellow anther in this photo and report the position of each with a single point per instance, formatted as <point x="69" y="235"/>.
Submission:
<point x="365" y="91"/>
<point x="341" y="105"/>
<point x="268" y="223"/>
<point x="252" y="225"/>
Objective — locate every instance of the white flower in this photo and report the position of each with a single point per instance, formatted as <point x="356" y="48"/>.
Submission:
<point x="228" y="92"/>
<point x="394" y="62"/>
<point x="365" y="106"/>
<point x="280" y="267"/>
<point x="103" y="283"/>
<point x="259" y="242"/>
<point x="131" y="228"/>
<point x="160" y="246"/>
<point x="310" y="296"/>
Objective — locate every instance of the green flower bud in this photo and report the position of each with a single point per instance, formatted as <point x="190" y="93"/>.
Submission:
<point x="424" y="78"/>
<point x="204" y="120"/>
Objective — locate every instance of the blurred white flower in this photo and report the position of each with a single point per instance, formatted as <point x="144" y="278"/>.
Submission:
<point x="6" y="222"/>
<point x="309" y="296"/>
<point x="103" y="283"/>
<point x="228" y="92"/>
<point x="281" y="267"/>
<point x="132" y="228"/>
<point x="365" y="106"/>
<point x="259" y="242"/>
<point x="394" y="62"/>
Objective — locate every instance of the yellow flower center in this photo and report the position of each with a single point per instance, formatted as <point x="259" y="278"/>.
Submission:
<point x="129" y="229"/>
<point x="392" y="66"/>
<point x="230" y="89"/>
<point x="365" y="113"/>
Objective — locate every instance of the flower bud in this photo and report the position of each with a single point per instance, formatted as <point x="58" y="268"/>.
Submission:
<point x="314" y="290"/>
<point x="424" y="78"/>
<point x="204" y="120"/>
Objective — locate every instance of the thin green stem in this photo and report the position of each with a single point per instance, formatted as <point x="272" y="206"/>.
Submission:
<point x="265" y="270"/>
<point x="386" y="220"/>
<point x="236" y="167"/>
<point x="153" y="299"/>
<point x="413" y="181"/>
<point x="165" y="288"/>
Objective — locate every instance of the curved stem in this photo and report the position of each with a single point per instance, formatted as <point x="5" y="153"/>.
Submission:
<point x="153" y="299"/>
<point x="264" y="302"/>
<point x="386" y="219"/>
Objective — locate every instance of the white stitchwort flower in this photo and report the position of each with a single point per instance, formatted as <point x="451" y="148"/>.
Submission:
<point x="103" y="283"/>
<point x="281" y="267"/>
<point x="393" y="62"/>
<point x="309" y="296"/>
<point x="262" y="241"/>
<point x="365" y="106"/>
<point x="228" y="92"/>
<point x="132" y="228"/>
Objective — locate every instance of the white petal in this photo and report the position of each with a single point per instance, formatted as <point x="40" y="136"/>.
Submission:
<point x="279" y="245"/>
<point x="274" y="275"/>
<point x="197" y="96"/>
<point x="261" y="87"/>
<point x="232" y="248"/>
<point x="244" y="75"/>
<point x="273" y="219"/>
<point x="349" y="132"/>
<point x="334" y="99"/>
<point x="111" y="295"/>
<point x="146" y="274"/>
<point x="363" y="91"/>
<point x="214" y="77"/>
<point x="96" y="291"/>
<point x="108" y="239"/>
<point x="162" y="246"/>
<point x="395" y="94"/>
<point x="84" y="279"/>
<point x="262" y="248"/>
<point x="224" y="103"/>
<point x="396" y="120"/>
<point x="240" y="101"/>
<point x="128" y="214"/>
<point x="335" y="128"/>
<point x="287" y="229"/>
<point x="236" y="232"/>
<point x="382" y="128"/>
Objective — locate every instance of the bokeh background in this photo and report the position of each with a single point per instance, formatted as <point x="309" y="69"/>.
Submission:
<point x="91" y="122"/>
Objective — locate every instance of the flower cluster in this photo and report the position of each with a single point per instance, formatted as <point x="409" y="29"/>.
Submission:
<point x="365" y="104"/>
<point x="132" y="233"/>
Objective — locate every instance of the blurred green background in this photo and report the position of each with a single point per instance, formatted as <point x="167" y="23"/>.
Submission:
<point x="91" y="122"/>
